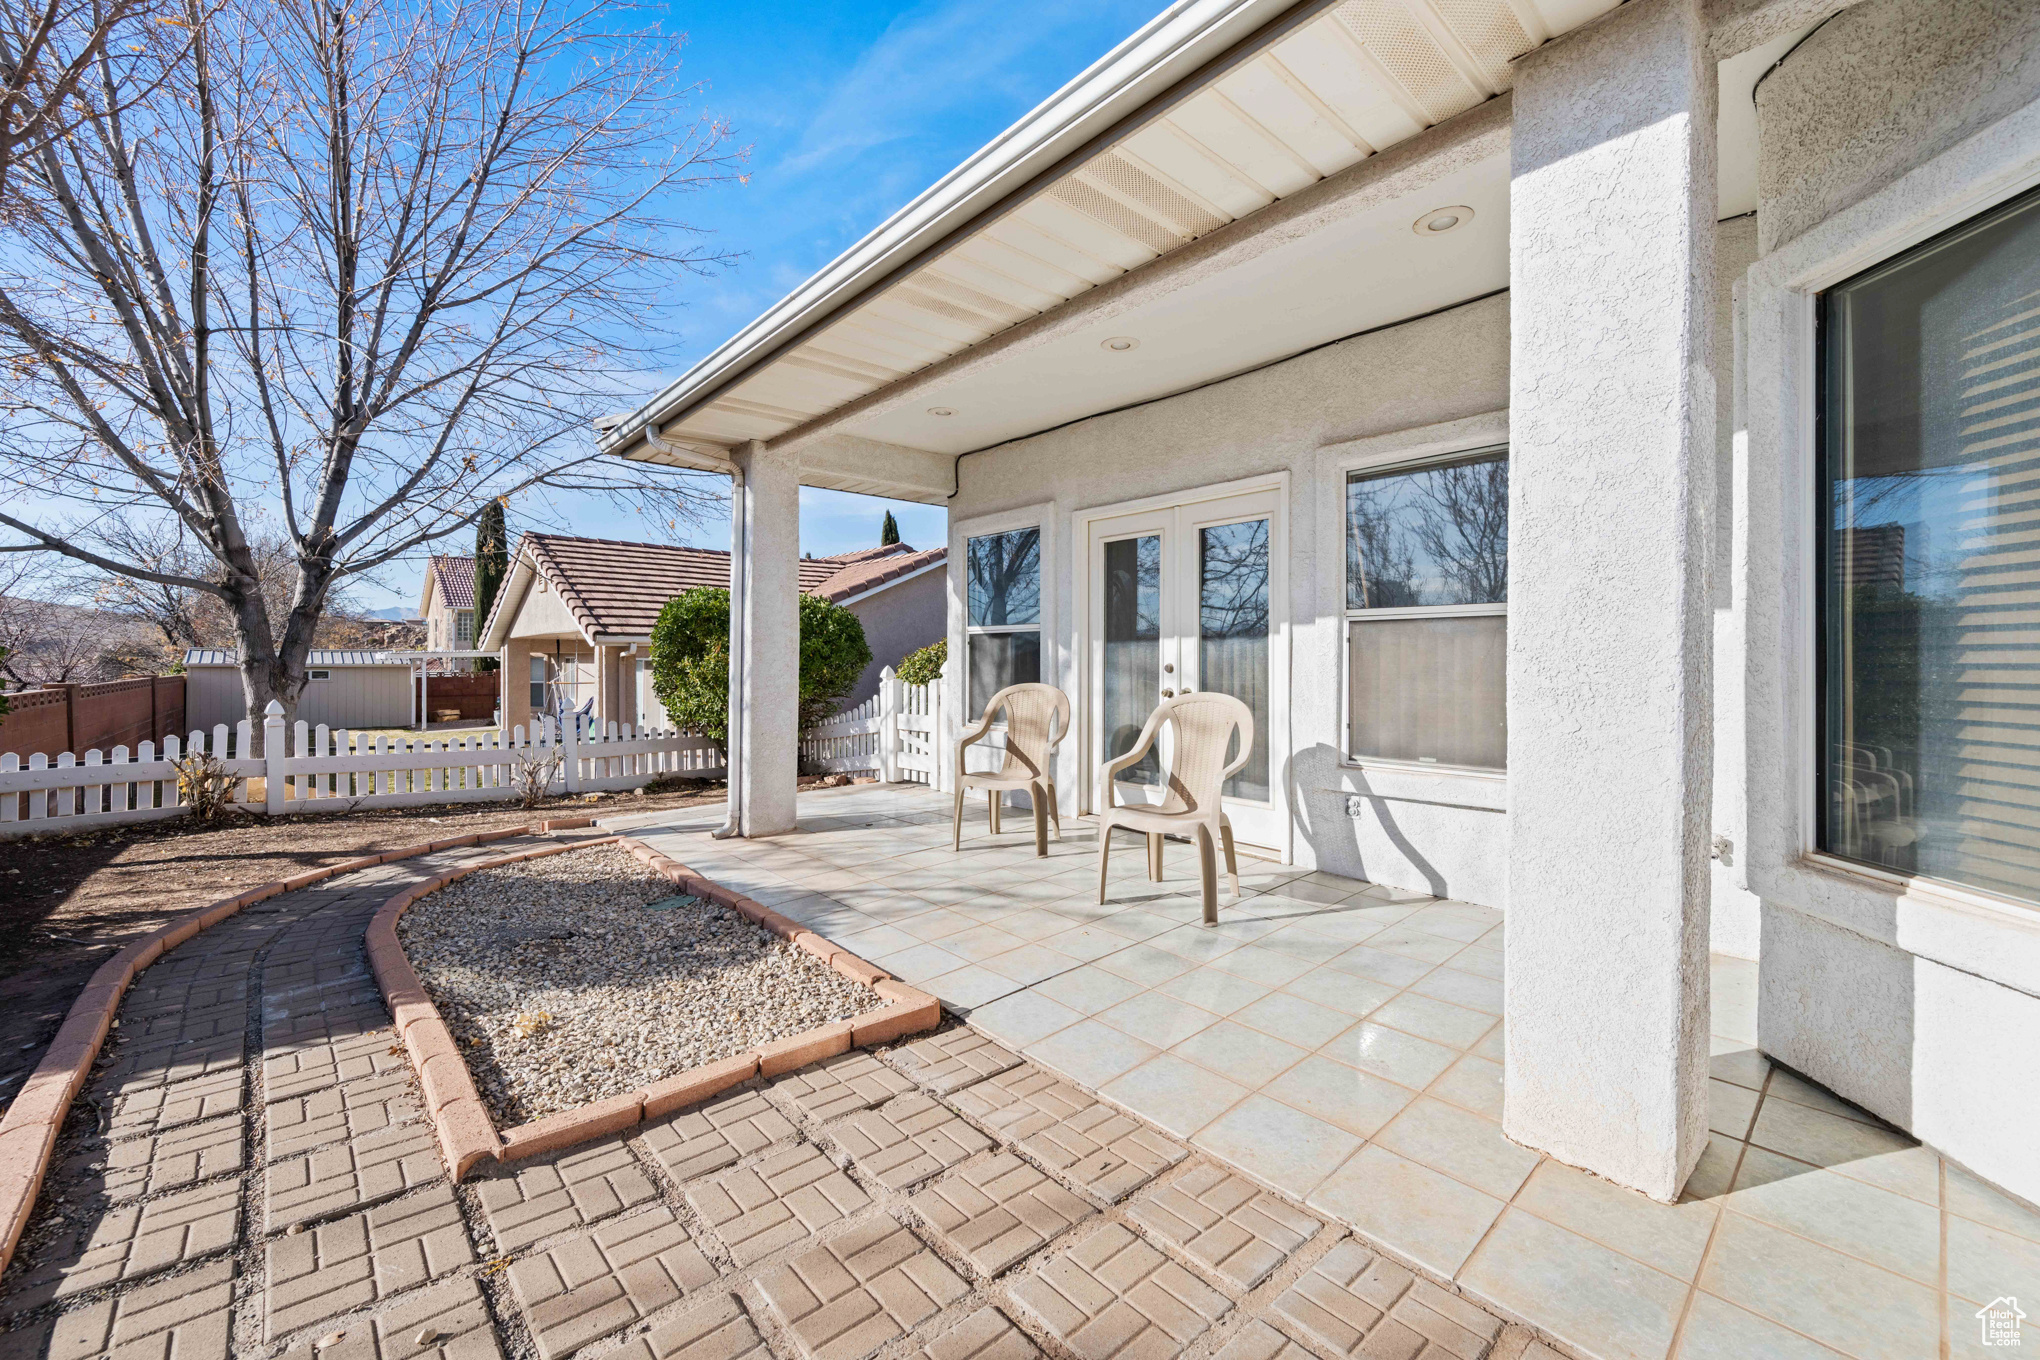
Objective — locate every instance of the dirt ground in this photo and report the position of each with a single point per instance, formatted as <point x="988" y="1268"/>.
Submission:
<point x="67" y="902"/>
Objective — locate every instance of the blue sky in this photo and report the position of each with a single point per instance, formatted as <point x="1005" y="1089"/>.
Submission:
<point x="850" y="109"/>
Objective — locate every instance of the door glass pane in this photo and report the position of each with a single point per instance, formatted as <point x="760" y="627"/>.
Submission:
<point x="1429" y="536"/>
<point x="1931" y="619"/>
<point x="1004" y="586"/>
<point x="1000" y="659"/>
<point x="1429" y="689"/>
<point x="1232" y="642"/>
<point x="1133" y="649"/>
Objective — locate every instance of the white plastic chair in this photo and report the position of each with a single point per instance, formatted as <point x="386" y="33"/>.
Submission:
<point x="1204" y="725"/>
<point x="1037" y="719"/>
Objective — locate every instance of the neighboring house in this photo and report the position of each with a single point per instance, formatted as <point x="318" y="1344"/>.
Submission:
<point x="343" y="688"/>
<point x="447" y="604"/>
<point x="574" y="618"/>
<point x="1510" y="400"/>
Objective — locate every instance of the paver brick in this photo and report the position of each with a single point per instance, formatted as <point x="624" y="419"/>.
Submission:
<point x="1225" y="1223"/>
<point x="995" y="1212"/>
<point x="293" y="1069"/>
<point x="1112" y="1294"/>
<point x="151" y="1108"/>
<point x="1355" y="1303"/>
<point x="1095" y="1147"/>
<point x="362" y="1258"/>
<point x="712" y="1135"/>
<point x="987" y="1334"/>
<point x="908" y="1139"/>
<point x="189" y="1317"/>
<point x="847" y="1297"/>
<point x="949" y="1062"/>
<point x="1258" y="1341"/>
<point x="169" y="1061"/>
<point x="168" y="1160"/>
<point x="599" y="1281"/>
<point x="839" y="1085"/>
<point x="452" y="1317"/>
<point x="332" y="1114"/>
<point x="719" y="1331"/>
<point x="131" y="1240"/>
<point x="351" y="1175"/>
<point x="786" y="1198"/>
<point x="576" y="1189"/>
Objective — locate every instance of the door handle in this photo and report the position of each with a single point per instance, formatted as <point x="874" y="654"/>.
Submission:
<point x="1168" y="694"/>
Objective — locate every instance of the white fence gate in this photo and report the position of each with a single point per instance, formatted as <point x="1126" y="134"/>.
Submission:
<point x="321" y="770"/>
<point x="895" y="735"/>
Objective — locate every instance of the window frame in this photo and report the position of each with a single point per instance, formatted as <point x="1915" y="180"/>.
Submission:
<point x="1443" y="454"/>
<point x="975" y="711"/>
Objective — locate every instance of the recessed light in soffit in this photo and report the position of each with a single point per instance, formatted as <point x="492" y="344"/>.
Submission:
<point x="941" y="410"/>
<point x="1119" y="344"/>
<point x="1438" y="221"/>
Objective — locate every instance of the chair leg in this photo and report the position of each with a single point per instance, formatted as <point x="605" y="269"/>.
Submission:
<point x="1207" y="874"/>
<point x="1104" y="853"/>
<point x="1154" y="856"/>
<point x="992" y="796"/>
<point x="956" y="837"/>
<point x="1039" y="797"/>
<point x="1232" y="860"/>
<point x="1054" y="812"/>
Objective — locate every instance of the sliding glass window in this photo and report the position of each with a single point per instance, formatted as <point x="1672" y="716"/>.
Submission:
<point x="1003" y="628"/>
<point x="1930" y="558"/>
<point x="1427" y="566"/>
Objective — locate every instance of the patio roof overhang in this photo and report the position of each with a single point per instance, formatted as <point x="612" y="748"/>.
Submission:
<point x="1237" y="183"/>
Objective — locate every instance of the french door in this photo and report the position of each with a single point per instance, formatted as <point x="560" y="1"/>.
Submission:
<point x="1187" y="597"/>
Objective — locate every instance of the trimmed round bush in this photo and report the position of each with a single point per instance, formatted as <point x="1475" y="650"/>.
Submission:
<point x="925" y="666"/>
<point x="691" y="659"/>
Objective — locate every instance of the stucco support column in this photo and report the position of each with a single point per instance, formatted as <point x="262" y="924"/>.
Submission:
<point x="765" y="515"/>
<point x="1612" y="202"/>
<point x="514" y="677"/>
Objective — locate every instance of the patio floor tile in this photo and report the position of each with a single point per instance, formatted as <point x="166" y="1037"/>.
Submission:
<point x="995" y="1212"/>
<point x="1157" y="1018"/>
<point x="1268" y="967"/>
<point x="1294" y="1019"/>
<point x="1439" y="1021"/>
<point x="1114" y="1295"/>
<point x="1211" y="990"/>
<point x="1473" y="1083"/>
<point x="1030" y="963"/>
<point x="1401" y="1058"/>
<point x="1850" y="1148"/>
<point x="1587" y="1295"/>
<point x="1345" y="992"/>
<point x="1423" y="1214"/>
<point x="980" y="942"/>
<point x="1395" y="970"/>
<point x="1245" y="1055"/>
<point x="1282" y="1145"/>
<point x="1449" y="1139"/>
<point x="1883" y="1228"/>
<point x="716" y="1134"/>
<point x="1179" y="1096"/>
<point x="1667" y="1237"/>
<point x="1023" y="1017"/>
<point x="847" y="1297"/>
<point x="1224" y="1223"/>
<point x="1145" y="964"/>
<point x="787" y="1198"/>
<point x="1984" y="1263"/>
<point x="599" y="1282"/>
<point x="1088" y="990"/>
<point x="1358" y="1102"/>
<point x="1091" y="1052"/>
<point x="944" y="1062"/>
<point x="908" y="1139"/>
<point x="970" y="987"/>
<point x="1856" y="1308"/>
<point x="1461" y="989"/>
<point x="1085" y="942"/>
<point x="919" y="964"/>
<point x="1718" y="1330"/>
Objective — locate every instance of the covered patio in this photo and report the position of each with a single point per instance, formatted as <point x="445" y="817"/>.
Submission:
<point x="1342" y="1043"/>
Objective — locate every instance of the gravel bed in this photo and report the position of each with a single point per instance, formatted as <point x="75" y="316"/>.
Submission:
<point x="563" y="987"/>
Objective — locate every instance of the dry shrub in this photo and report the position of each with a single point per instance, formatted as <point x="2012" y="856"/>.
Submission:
<point x="533" y="778"/>
<point x="205" y="787"/>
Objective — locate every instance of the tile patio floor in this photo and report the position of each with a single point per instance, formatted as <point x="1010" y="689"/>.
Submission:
<point x="1342" y="1042"/>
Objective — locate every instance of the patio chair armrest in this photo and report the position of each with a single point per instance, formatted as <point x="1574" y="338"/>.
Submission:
<point x="977" y="734"/>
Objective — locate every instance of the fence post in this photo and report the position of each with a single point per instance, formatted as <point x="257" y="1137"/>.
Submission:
<point x="570" y="750"/>
<point x="273" y="755"/>
<point x="888" y="726"/>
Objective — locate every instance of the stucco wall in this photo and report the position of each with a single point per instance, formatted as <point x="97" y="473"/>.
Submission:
<point x="1897" y="120"/>
<point x="1440" y="378"/>
<point x="1880" y="88"/>
<point x="899" y="619"/>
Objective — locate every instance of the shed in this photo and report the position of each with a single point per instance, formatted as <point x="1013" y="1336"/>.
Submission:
<point x="352" y="689"/>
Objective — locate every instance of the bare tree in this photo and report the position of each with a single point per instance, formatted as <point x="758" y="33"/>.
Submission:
<point x="44" y="640"/>
<point x="48" y="48"/>
<point x="359" y="268"/>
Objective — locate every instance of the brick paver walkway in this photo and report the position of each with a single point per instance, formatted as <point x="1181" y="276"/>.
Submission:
<point x="249" y="1173"/>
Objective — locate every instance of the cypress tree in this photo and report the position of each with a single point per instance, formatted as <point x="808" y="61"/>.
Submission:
<point x="492" y="564"/>
<point x="890" y="534"/>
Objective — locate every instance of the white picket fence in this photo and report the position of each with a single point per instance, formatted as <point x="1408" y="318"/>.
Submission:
<point x="895" y="735"/>
<point x="322" y="770"/>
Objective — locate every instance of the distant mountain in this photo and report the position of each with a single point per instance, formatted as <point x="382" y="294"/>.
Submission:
<point x="396" y="613"/>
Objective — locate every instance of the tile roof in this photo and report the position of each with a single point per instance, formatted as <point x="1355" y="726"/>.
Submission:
<point x="456" y="577"/>
<point x="619" y="588"/>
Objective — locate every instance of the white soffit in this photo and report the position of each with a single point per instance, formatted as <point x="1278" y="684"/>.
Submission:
<point x="1358" y="78"/>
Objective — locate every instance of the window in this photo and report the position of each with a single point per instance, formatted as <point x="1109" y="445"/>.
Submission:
<point x="1003" y="627"/>
<point x="464" y="629"/>
<point x="318" y="675"/>
<point x="1930" y="558"/>
<point x="538" y="699"/>
<point x="1427" y="564"/>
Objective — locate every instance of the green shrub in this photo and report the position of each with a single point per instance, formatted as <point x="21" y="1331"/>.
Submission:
<point x="691" y="659"/>
<point x="925" y="666"/>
